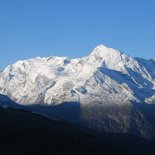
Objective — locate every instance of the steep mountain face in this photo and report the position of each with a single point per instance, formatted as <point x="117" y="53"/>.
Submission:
<point x="109" y="86"/>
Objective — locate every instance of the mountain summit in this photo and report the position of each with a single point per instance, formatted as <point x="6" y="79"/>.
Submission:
<point x="107" y="85"/>
<point x="105" y="53"/>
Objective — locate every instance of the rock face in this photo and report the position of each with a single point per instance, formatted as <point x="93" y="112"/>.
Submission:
<point x="110" y="87"/>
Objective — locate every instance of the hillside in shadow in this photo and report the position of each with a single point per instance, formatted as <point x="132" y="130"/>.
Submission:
<point x="23" y="132"/>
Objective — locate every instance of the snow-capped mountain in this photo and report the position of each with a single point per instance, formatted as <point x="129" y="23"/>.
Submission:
<point x="108" y="85"/>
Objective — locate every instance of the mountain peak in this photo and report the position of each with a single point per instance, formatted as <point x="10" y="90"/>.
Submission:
<point x="103" y="51"/>
<point x="109" y="57"/>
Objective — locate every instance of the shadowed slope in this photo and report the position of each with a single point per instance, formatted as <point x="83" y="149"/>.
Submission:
<point x="22" y="132"/>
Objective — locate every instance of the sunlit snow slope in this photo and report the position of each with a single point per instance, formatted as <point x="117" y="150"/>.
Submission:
<point x="105" y="72"/>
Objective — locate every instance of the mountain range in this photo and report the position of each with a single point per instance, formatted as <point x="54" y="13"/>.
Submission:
<point x="106" y="91"/>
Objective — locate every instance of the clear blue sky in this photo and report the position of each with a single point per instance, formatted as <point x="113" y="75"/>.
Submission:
<point x="30" y="28"/>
